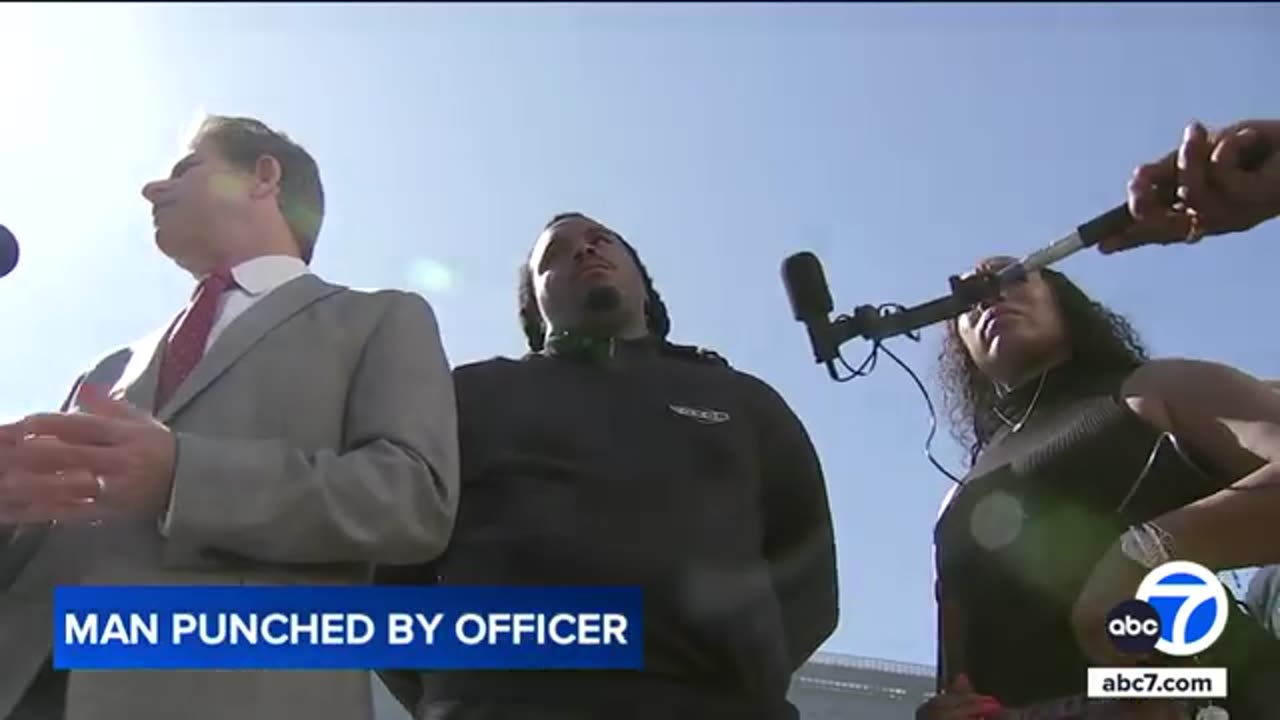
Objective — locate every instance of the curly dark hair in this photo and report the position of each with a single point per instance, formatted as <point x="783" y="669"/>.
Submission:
<point x="655" y="311"/>
<point x="1098" y="337"/>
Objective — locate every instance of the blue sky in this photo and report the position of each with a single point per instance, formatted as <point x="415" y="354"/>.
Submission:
<point x="900" y="143"/>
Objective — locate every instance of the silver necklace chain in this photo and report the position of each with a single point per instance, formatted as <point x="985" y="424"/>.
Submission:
<point x="1031" y="406"/>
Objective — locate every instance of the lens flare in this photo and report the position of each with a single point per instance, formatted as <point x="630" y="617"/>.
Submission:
<point x="432" y="276"/>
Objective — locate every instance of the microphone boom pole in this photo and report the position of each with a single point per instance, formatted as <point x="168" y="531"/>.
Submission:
<point x="811" y="299"/>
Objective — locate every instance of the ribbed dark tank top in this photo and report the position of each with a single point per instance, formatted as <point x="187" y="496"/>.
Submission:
<point x="1036" y="512"/>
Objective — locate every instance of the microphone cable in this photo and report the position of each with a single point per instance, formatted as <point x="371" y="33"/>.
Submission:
<point x="1232" y="582"/>
<point x="869" y="364"/>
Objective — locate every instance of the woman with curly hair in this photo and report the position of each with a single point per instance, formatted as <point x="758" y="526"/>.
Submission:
<point x="1090" y="464"/>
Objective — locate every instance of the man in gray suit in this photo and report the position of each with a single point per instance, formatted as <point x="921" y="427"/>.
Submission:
<point x="281" y="430"/>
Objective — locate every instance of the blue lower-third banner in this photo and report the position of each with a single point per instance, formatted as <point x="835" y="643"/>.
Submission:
<point x="313" y="628"/>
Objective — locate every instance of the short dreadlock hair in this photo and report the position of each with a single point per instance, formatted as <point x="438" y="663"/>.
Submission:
<point x="655" y="311"/>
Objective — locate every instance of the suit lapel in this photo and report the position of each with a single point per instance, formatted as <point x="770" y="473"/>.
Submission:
<point x="242" y="334"/>
<point x="133" y="370"/>
<point x="142" y="374"/>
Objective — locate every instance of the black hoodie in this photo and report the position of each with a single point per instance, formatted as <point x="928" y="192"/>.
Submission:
<point x="654" y="465"/>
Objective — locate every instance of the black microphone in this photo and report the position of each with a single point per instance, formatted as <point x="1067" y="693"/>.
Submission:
<point x="8" y="251"/>
<point x="810" y="301"/>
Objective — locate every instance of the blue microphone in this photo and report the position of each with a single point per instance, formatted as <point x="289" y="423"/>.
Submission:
<point x="8" y="251"/>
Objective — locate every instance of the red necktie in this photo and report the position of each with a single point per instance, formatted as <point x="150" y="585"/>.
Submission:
<point x="187" y="342"/>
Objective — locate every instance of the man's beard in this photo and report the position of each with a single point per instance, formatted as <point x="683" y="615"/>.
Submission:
<point x="602" y="299"/>
<point x="601" y="311"/>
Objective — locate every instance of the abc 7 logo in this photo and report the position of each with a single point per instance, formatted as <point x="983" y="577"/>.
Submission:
<point x="1180" y="609"/>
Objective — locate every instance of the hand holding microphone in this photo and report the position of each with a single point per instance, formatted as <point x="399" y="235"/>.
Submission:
<point x="1209" y="186"/>
<point x="1213" y="184"/>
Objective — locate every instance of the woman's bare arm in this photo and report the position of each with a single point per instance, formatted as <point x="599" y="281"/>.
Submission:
<point x="1233" y="421"/>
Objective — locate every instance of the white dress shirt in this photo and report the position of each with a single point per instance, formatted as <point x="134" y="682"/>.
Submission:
<point x="255" y="279"/>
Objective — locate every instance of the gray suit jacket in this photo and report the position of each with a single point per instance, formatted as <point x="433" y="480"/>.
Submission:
<point x="316" y="439"/>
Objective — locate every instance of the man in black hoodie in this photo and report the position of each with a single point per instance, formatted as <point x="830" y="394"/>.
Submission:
<point x="609" y="456"/>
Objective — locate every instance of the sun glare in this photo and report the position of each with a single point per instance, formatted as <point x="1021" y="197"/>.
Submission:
<point x="81" y="90"/>
<point x="189" y="131"/>
<point x="56" y="60"/>
<point x="21" y="59"/>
